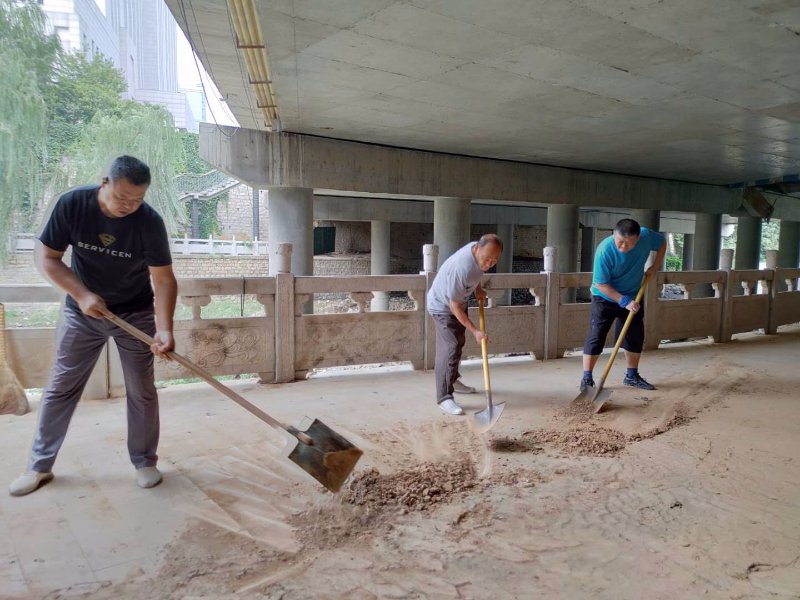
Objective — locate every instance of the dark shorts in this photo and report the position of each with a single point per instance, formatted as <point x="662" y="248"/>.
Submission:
<point x="604" y="313"/>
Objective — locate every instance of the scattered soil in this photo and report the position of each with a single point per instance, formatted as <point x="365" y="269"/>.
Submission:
<point x="587" y="439"/>
<point x="683" y="414"/>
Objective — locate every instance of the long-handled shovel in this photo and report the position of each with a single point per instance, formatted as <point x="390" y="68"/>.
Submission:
<point x="485" y="419"/>
<point x="321" y="452"/>
<point x="602" y="396"/>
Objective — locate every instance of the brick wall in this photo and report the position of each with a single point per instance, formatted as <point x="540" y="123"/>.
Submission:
<point x="235" y="218"/>
<point x="20" y="270"/>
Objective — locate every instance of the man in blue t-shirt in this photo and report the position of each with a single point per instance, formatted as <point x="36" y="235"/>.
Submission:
<point x="119" y="245"/>
<point x="618" y="270"/>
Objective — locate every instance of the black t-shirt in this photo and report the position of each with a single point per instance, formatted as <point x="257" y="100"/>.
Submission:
<point x="110" y="256"/>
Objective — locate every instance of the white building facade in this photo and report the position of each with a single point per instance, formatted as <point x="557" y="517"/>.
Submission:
<point x="138" y="36"/>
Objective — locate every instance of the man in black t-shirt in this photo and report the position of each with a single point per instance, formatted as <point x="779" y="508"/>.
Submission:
<point x="119" y="244"/>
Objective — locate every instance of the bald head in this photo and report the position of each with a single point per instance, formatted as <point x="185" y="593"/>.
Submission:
<point x="487" y="251"/>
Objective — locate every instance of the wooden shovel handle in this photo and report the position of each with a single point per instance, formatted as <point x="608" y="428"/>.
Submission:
<point x="484" y="351"/>
<point x="207" y="377"/>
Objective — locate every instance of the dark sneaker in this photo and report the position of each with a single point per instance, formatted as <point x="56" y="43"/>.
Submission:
<point x="586" y="382"/>
<point x="638" y="381"/>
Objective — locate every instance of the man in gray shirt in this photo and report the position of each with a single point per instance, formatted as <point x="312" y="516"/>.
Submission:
<point x="459" y="276"/>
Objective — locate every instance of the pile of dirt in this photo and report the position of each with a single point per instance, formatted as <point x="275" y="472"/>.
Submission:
<point x="418" y="488"/>
<point x="586" y="439"/>
<point x="579" y="410"/>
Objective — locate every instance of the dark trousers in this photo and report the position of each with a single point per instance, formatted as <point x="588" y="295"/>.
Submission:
<point x="79" y="341"/>
<point x="603" y="315"/>
<point x="450" y="339"/>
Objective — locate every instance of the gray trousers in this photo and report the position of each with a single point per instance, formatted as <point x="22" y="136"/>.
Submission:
<point x="79" y="341"/>
<point x="450" y="339"/>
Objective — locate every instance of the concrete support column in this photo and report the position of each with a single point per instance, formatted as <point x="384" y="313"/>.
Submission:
<point x="748" y="243"/>
<point x="707" y="243"/>
<point x="688" y="251"/>
<point x="789" y="245"/>
<point x="506" y="263"/>
<point x="291" y="219"/>
<point x="256" y="214"/>
<point x="380" y="255"/>
<point x="451" y="221"/>
<point x="587" y="248"/>
<point x="587" y="260"/>
<point x="562" y="234"/>
<point x="647" y="218"/>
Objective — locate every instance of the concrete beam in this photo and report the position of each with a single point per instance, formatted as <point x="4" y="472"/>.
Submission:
<point x="264" y="160"/>
<point x="670" y="222"/>
<point x="348" y="208"/>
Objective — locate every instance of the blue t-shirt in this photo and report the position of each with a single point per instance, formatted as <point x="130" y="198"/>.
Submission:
<point x="623" y="270"/>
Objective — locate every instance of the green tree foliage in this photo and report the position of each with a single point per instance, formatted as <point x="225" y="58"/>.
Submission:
<point x="673" y="262"/>
<point x="141" y="130"/>
<point x="82" y="88"/>
<point x="26" y="58"/>
<point x="190" y="161"/>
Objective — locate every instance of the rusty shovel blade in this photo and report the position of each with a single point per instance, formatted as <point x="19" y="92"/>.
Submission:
<point x="329" y="459"/>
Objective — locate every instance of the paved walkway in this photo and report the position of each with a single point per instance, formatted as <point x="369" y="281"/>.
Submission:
<point x="91" y="528"/>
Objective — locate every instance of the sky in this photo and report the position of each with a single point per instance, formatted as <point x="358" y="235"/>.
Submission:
<point x="189" y="78"/>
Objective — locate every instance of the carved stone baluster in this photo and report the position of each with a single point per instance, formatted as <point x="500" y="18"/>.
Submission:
<point x="299" y="301"/>
<point x="413" y="299"/>
<point x="362" y="299"/>
<point x="268" y="302"/>
<point x="196" y="302"/>
<point x="492" y="296"/>
<point x="537" y="295"/>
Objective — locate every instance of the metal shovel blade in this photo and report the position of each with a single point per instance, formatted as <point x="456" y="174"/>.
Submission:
<point x="601" y="396"/>
<point x="484" y="420"/>
<point x="329" y="460"/>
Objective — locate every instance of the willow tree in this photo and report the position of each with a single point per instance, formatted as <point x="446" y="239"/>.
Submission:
<point x="141" y="130"/>
<point x="27" y="57"/>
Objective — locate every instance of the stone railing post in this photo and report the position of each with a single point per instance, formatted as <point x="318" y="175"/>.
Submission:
<point x="280" y="266"/>
<point x="726" y="265"/>
<point x="771" y="288"/>
<point x="552" y="304"/>
<point x="430" y="257"/>
<point x="651" y="317"/>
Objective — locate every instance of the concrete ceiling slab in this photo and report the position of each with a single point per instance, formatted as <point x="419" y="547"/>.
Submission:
<point x="697" y="91"/>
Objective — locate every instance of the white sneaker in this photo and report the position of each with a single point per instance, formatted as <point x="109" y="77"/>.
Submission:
<point x="148" y="477"/>
<point x="28" y="482"/>
<point x="449" y="406"/>
<point x="461" y="388"/>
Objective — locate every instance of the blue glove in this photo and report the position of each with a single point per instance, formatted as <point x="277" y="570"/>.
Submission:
<point x="624" y="301"/>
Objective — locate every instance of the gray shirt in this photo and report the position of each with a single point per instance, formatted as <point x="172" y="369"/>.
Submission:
<point x="456" y="280"/>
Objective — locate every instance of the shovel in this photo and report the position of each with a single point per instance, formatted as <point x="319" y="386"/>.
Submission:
<point x="484" y="420"/>
<point x="321" y="452"/>
<point x="602" y="396"/>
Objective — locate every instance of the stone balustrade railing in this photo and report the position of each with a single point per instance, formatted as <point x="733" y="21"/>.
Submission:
<point x="289" y="339"/>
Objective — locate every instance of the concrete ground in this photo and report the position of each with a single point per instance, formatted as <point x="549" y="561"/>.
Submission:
<point x="689" y="491"/>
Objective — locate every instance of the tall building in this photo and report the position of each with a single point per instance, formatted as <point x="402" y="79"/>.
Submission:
<point x="138" y="36"/>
